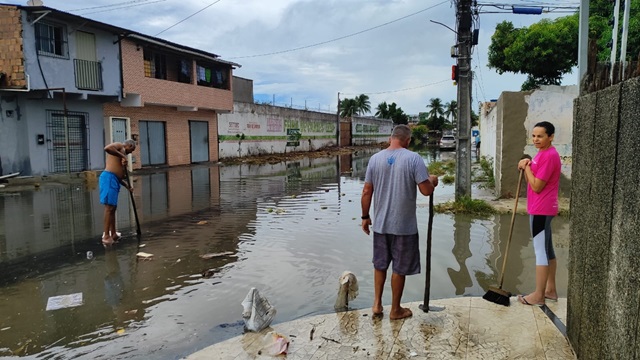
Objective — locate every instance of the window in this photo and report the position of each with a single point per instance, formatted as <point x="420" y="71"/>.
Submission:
<point x="51" y="39"/>
<point x="184" y="72"/>
<point x="216" y="76"/>
<point x="155" y="65"/>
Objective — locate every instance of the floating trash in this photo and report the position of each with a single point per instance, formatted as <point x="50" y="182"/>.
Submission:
<point x="144" y="255"/>
<point x="202" y="222"/>
<point x="64" y="301"/>
<point x="257" y="311"/>
<point x="213" y="255"/>
<point x="89" y="255"/>
<point x="347" y="291"/>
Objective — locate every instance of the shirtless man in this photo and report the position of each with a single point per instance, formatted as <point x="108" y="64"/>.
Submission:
<point x="110" y="180"/>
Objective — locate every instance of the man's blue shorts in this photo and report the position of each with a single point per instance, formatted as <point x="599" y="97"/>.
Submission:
<point x="109" y="188"/>
<point x="402" y="250"/>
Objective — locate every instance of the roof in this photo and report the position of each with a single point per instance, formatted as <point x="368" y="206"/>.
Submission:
<point x="124" y="33"/>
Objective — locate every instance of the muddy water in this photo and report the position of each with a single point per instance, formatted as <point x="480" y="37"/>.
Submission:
<point x="289" y="229"/>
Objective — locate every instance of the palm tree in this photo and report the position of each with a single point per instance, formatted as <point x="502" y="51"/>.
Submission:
<point x="363" y="104"/>
<point x="451" y="111"/>
<point x="348" y="107"/>
<point x="435" y="108"/>
<point x="382" y="111"/>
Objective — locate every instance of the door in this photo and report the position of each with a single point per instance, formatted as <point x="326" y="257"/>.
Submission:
<point x="86" y="46"/>
<point x="152" y="143"/>
<point x="119" y="130"/>
<point x="199" y="134"/>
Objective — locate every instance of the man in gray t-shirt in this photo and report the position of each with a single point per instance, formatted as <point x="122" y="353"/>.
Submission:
<point x="393" y="177"/>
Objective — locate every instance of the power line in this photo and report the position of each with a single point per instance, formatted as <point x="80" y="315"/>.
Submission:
<point x="341" y="37"/>
<point x="108" y="6"/>
<point x="123" y="7"/>
<point x="395" y="91"/>
<point x="188" y="17"/>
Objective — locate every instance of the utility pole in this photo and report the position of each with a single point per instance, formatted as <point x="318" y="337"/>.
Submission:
<point x="463" y="158"/>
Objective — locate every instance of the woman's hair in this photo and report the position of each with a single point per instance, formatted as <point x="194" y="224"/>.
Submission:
<point x="548" y="127"/>
<point x="402" y="132"/>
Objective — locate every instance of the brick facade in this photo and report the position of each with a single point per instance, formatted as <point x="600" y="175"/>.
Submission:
<point x="11" y="52"/>
<point x="166" y="92"/>
<point x="178" y="144"/>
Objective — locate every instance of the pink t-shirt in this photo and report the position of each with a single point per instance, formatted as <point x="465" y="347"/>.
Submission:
<point x="546" y="167"/>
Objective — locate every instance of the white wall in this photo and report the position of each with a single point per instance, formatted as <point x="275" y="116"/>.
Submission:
<point x="553" y="104"/>
<point x="488" y="130"/>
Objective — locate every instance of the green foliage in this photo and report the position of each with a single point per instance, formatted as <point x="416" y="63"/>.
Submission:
<point x="392" y="111"/>
<point x="439" y="168"/>
<point x="451" y="111"/>
<point x="359" y="105"/>
<point x="448" y="179"/>
<point x="600" y="12"/>
<point x="544" y="51"/>
<point x="486" y="165"/>
<point x="419" y="134"/>
<point x="466" y="205"/>
<point x="435" y="117"/>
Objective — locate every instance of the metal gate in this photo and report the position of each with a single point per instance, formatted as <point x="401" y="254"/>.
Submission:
<point x="68" y="146"/>
<point x="152" y="143"/>
<point x="199" y="134"/>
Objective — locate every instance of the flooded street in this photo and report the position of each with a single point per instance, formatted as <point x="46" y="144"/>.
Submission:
<point x="288" y="229"/>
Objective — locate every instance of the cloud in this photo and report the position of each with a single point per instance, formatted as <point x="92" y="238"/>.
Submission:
<point x="410" y="53"/>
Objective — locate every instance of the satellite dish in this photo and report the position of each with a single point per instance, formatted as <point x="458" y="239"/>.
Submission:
<point x="34" y="3"/>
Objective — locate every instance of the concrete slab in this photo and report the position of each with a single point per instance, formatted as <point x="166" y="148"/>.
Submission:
<point x="466" y="328"/>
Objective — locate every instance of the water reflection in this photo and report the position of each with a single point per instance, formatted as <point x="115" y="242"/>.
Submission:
<point x="289" y="229"/>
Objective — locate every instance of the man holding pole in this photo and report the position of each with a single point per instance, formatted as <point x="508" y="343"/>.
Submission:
<point x="392" y="179"/>
<point x="110" y="180"/>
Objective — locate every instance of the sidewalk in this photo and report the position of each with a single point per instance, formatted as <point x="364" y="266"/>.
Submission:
<point x="467" y="328"/>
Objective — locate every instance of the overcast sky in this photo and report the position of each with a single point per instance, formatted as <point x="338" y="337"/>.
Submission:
<point x="387" y="49"/>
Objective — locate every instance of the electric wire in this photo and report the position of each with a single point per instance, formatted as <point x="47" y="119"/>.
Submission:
<point x="122" y="7"/>
<point x="341" y="37"/>
<point x="188" y="17"/>
<point x="399" y="90"/>
<point x="108" y="6"/>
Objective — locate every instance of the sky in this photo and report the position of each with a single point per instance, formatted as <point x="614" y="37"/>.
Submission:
<point x="310" y="52"/>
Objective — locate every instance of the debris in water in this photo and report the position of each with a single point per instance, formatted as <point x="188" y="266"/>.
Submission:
<point x="347" y="291"/>
<point x="144" y="255"/>
<point x="202" y="222"/>
<point x="64" y="301"/>
<point x="257" y="311"/>
<point x="213" y="255"/>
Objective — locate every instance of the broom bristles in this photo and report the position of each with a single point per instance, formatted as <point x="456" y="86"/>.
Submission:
<point x="498" y="296"/>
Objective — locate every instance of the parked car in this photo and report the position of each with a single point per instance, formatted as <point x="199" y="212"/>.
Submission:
<point x="448" y="142"/>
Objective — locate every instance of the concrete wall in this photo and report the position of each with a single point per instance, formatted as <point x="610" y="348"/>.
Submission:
<point x="506" y="132"/>
<point x="370" y="130"/>
<point x="242" y="90"/>
<point x="264" y="128"/>
<point x="603" y="311"/>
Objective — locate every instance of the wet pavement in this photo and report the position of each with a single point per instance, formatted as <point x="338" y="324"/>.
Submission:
<point x="458" y="328"/>
<point x="288" y="229"/>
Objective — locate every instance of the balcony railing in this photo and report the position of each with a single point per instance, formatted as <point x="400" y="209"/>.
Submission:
<point x="88" y="74"/>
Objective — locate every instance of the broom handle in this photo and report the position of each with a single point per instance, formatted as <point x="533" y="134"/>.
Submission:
<point x="513" y="219"/>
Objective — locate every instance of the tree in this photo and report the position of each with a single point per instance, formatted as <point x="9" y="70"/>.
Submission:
<point x="382" y="111"/>
<point x="435" y="108"/>
<point x="392" y="111"/>
<point x="348" y="107"/>
<point x="545" y="51"/>
<point x="451" y="111"/>
<point x="419" y="134"/>
<point x="363" y="104"/>
<point x="359" y="105"/>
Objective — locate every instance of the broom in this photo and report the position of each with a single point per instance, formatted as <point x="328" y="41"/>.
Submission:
<point x="497" y="295"/>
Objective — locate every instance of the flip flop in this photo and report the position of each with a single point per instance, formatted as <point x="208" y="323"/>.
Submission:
<point x="551" y="299"/>
<point x="525" y="302"/>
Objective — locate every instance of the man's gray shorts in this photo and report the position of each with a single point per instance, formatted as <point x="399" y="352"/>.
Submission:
<point x="403" y="250"/>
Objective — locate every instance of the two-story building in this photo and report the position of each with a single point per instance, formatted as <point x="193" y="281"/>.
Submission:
<point x="69" y="85"/>
<point x="170" y="100"/>
<point x="56" y="71"/>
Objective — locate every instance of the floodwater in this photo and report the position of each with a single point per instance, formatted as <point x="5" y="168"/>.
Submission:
<point x="289" y="229"/>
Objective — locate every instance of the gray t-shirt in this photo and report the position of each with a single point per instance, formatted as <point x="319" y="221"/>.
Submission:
<point x="395" y="175"/>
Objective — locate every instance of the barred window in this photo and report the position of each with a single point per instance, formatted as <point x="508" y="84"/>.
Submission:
<point x="51" y="39"/>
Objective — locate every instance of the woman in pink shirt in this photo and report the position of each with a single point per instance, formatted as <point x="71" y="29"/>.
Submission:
<point x="543" y="180"/>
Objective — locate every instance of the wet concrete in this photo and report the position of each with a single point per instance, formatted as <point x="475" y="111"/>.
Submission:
<point x="291" y="229"/>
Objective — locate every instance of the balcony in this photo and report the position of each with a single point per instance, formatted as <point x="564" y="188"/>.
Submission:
<point x="88" y="74"/>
